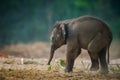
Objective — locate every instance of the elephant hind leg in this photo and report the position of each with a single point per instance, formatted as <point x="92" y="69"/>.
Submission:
<point x="94" y="61"/>
<point x="103" y="62"/>
<point x="94" y="47"/>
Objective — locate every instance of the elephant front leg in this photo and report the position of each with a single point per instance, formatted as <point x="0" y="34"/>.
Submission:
<point x="69" y="64"/>
<point x="70" y="58"/>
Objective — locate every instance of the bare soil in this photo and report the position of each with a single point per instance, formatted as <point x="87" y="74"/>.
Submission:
<point x="50" y="75"/>
<point x="36" y="69"/>
<point x="29" y="62"/>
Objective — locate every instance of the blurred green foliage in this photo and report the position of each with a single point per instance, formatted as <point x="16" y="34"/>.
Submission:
<point x="32" y="20"/>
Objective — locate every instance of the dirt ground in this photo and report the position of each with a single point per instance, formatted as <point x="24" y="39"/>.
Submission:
<point x="36" y="69"/>
<point x="28" y="62"/>
<point x="49" y="75"/>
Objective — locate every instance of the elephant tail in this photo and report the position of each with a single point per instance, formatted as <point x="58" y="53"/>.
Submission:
<point x="108" y="54"/>
<point x="108" y="60"/>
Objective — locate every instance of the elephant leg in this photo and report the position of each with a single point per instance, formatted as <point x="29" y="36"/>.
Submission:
<point x="95" y="45"/>
<point x="71" y="56"/>
<point x="94" y="61"/>
<point x="103" y="62"/>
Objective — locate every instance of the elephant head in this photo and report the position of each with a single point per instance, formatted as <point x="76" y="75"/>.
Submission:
<point x="58" y="38"/>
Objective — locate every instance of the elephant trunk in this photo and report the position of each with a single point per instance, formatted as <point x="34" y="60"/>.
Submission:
<point x="51" y="54"/>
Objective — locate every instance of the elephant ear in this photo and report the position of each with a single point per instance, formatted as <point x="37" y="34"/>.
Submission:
<point x="63" y="28"/>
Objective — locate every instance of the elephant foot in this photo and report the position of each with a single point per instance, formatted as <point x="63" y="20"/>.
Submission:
<point x="94" y="68"/>
<point x="103" y="71"/>
<point x="68" y="70"/>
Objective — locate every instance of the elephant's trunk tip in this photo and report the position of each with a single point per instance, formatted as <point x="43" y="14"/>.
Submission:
<point x="48" y="63"/>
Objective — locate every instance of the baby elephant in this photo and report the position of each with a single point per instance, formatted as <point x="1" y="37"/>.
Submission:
<point x="85" y="32"/>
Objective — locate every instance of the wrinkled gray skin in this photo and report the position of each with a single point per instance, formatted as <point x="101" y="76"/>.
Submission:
<point x="85" y="32"/>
